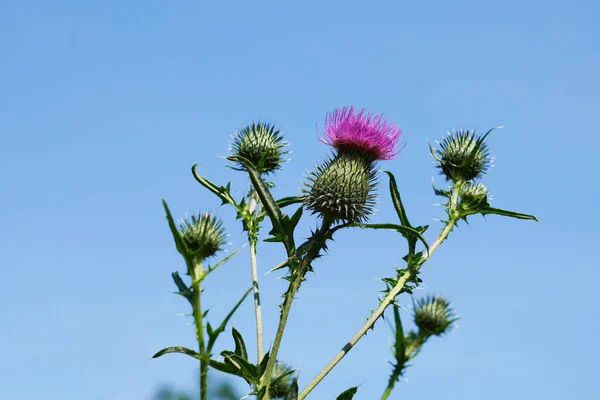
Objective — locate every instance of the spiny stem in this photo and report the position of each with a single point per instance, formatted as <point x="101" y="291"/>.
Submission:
<point x="197" y="277"/>
<point x="297" y="277"/>
<point x="375" y="315"/>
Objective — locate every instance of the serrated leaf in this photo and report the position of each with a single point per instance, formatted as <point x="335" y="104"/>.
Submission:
<point x="507" y="213"/>
<point x="213" y="338"/>
<point x="182" y="287"/>
<point x="268" y="202"/>
<point x="178" y="349"/>
<point x="292" y="394"/>
<point x="348" y="394"/>
<point x="240" y="346"/>
<point x="221" y="192"/>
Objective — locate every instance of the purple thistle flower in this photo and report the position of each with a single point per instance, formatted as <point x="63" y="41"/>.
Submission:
<point x="349" y="128"/>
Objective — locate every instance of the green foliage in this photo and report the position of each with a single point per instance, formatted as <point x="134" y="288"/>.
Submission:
<point x="348" y="394"/>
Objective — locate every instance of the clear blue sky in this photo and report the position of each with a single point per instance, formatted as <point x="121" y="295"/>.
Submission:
<point x="105" y="105"/>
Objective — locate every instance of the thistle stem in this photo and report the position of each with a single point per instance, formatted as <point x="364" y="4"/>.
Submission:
<point x="296" y="280"/>
<point x="257" y="309"/>
<point x="252" y="238"/>
<point x="197" y="288"/>
<point x="375" y="315"/>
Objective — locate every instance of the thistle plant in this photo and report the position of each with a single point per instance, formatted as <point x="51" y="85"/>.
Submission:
<point x="341" y="190"/>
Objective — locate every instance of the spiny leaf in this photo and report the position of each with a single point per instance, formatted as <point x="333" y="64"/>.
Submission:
<point x="223" y="261"/>
<point x="179" y="243"/>
<point x="221" y="192"/>
<point x="221" y="366"/>
<point x="245" y="369"/>
<point x="212" y="338"/>
<point x="178" y="349"/>
<point x="506" y="213"/>
<point x="266" y="198"/>
<point x="262" y="367"/>
<point x="397" y="200"/>
<point x="183" y="289"/>
<point x="404" y="230"/>
<point x="348" y="394"/>
<point x="287" y="201"/>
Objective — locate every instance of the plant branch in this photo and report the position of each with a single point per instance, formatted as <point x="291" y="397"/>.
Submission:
<point x="375" y="315"/>
<point x="197" y="277"/>
<point x="298" y="272"/>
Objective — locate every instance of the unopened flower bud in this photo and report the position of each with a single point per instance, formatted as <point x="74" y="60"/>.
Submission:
<point x="203" y="235"/>
<point x="281" y="381"/>
<point x="262" y="145"/>
<point x="473" y="196"/>
<point x="433" y="316"/>
<point x="342" y="187"/>
<point x="463" y="156"/>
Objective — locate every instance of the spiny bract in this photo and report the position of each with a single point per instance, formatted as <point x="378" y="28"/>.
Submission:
<point x="262" y="145"/>
<point x="203" y="235"/>
<point x="463" y="156"/>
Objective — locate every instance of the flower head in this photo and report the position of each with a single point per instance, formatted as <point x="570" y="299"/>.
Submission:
<point x="281" y="381"/>
<point x="204" y="235"/>
<point x="434" y="316"/>
<point x="342" y="187"/>
<point x="474" y="196"/>
<point x="262" y="145"/>
<point x="463" y="156"/>
<point x="361" y="130"/>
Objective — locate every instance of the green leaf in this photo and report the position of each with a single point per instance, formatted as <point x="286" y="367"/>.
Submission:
<point x="240" y="346"/>
<point x="223" y="261"/>
<point x="397" y="200"/>
<point x="348" y="394"/>
<point x="288" y="224"/>
<point x="292" y="394"/>
<point x="222" y="192"/>
<point x="404" y="230"/>
<point x="269" y="204"/>
<point x="221" y="366"/>
<point x="179" y="243"/>
<point x="506" y="213"/>
<point x="287" y="201"/>
<point x="183" y="289"/>
<point x="262" y="367"/>
<point x="213" y="338"/>
<point x="178" y="349"/>
<point x="244" y="368"/>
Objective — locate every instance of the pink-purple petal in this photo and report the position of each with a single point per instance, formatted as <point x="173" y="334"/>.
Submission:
<point x="361" y="130"/>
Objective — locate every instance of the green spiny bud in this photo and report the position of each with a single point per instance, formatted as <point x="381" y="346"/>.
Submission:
<point x="262" y="145"/>
<point x="463" y="156"/>
<point x="203" y="235"/>
<point x="341" y="188"/>
<point x="473" y="196"/>
<point x="433" y="315"/>
<point x="281" y="381"/>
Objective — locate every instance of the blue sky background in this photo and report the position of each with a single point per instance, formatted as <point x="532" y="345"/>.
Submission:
<point x="104" y="106"/>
